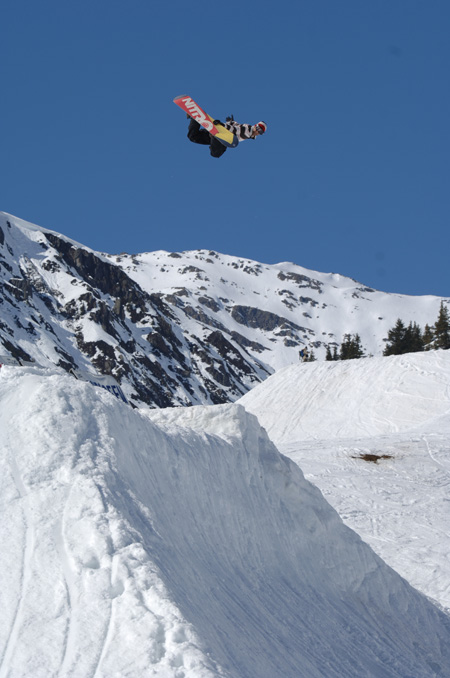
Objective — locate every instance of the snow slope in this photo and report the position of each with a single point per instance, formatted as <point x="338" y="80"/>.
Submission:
<point x="281" y="306"/>
<point x="181" y="544"/>
<point x="328" y="416"/>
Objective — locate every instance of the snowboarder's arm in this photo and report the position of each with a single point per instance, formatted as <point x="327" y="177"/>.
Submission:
<point x="241" y="131"/>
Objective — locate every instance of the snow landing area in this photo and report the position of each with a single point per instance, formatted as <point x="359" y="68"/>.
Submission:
<point x="181" y="544"/>
<point x="374" y="436"/>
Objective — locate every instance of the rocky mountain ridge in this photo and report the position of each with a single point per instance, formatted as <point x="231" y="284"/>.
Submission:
<point x="185" y="328"/>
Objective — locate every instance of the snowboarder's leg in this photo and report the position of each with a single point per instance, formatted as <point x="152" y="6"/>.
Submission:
<point x="197" y="135"/>
<point x="217" y="149"/>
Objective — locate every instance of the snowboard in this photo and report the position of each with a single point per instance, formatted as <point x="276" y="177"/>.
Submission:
<point x="220" y="132"/>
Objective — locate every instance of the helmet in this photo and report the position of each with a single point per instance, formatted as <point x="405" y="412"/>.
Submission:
<point x="261" y="127"/>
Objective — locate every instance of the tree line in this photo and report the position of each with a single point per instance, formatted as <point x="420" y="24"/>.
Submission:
<point x="401" y="339"/>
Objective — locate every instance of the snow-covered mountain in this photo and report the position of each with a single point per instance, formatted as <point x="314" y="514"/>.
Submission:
<point x="178" y="328"/>
<point x="179" y="543"/>
<point x="374" y="436"/>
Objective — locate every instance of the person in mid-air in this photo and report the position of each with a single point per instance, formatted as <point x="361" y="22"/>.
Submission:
<point x="200" y="136"/>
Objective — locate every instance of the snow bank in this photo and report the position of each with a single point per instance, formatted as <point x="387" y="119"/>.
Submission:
<point x="181" y="544"/>
<point x="374" y="436"/>
<point x="350" y="398"/>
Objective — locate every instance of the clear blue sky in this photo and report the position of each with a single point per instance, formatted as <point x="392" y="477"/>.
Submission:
<point x="352" y="175"/>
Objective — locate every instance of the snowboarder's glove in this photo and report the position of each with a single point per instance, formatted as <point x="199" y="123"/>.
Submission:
<point x="230" y="118"/>
<point x="217" y="122"/>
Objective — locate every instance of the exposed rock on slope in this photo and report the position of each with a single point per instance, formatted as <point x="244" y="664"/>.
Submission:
<point x="178" y="328"/>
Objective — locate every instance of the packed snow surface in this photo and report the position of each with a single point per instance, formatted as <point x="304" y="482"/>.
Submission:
<point x="374" y="436"/>
<point x="180" y="544"/>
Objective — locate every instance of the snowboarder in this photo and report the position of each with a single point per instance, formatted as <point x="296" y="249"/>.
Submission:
<point x="201" y="136"/>
<point x="304" y="355"/>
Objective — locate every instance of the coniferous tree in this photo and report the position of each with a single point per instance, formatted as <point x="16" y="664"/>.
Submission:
<point x="404" y="339"/>
<point x="427" y="338"/>
<point x="345" y="347"/>
<point x="396" y="339"/>
<point x="357" y="347"/>
<point x="442" y="328"/>
<point x="351" y="347"/>
<point x="330" y="355"/>
<point x="413" y="338"/>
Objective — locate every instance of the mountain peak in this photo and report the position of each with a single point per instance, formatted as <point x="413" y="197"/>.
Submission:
<point x="179" y="328"/>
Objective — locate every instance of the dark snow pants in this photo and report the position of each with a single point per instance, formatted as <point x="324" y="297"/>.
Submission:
<point x="201" y="136"/>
